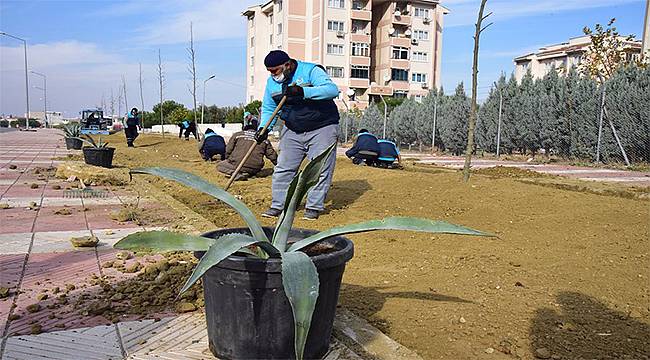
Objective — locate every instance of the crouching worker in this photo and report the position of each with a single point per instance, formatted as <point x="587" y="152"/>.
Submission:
<point x="189" y="127"/>
<point x="388" y="154"/>
<point x="211" y="145"/>
<point x="365" y="148"/>
<point x="237" y="148"/>
<point x="131" y="126"/>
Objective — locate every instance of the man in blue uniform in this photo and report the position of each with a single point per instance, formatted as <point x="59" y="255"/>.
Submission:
<point x="364" y="148"/>
<point x="211" y="145"/>
<point x="310" y="126"/>
<point x="189" y="127"/>
<point x="132" y="125"/>
<point x="388" y="154"/>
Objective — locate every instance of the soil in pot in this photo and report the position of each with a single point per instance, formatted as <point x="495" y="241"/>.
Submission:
<point x="247" y="311"/>
<point x="99" y="156"/>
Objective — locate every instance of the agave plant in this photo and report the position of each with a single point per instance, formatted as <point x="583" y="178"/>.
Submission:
<point x="99" y="144"/>
<point x="72" y="130"/>
<point x="299" y="275"/>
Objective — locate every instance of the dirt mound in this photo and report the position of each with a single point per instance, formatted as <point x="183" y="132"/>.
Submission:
<point x="510" y="172"/>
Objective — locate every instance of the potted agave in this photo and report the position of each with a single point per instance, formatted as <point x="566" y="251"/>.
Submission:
<point x="71" y="133"/>
<point x="270" y="293"/>
<point x="98" y="153"/>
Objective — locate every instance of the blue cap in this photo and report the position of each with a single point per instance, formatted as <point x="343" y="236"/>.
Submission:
<point x="276" y="58"/>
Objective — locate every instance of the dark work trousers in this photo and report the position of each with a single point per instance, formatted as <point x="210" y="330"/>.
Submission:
<point x="131" y="134"/>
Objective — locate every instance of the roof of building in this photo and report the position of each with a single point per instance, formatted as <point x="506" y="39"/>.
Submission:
<point x="574" y="45"/>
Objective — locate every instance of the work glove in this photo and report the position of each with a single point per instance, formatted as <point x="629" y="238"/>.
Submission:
<point x="261" y="135"/>
<point x="295" y="91"/>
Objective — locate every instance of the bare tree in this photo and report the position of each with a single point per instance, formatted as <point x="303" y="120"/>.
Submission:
<point x="112" y="104"/>
<point x="103" y="102"/>
<point x="161" y="81"/>
<point x="141" y="95"/>
<point x="472" y="114"/>
<point x="126" y="103"/>
<point x="191" y="57"/>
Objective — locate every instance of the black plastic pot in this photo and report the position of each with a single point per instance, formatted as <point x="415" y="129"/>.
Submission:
<point x="73" y="144"/>
<point x="99" y="156"/>
<point x="247" y="313"/>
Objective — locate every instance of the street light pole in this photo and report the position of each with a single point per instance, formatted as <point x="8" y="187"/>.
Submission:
<point x="26" y="77"/>
<point x="203" y="104"/>
<point x="45" y="95"/>
<point x="385" y="114"/>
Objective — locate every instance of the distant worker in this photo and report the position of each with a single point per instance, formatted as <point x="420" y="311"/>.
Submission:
<point x="131" y="126"/>
<point x="365" y="148"/>
<point x="248" y="119"/>
<point x="189" y="127"/>
<point x="212" y="144"/>
<point x="388" y="154"/>
<point x="238" y="146"/>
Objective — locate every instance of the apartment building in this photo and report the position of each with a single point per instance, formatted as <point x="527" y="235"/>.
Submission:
<point x="563" y="56"/>
<point x="370" y="48"/>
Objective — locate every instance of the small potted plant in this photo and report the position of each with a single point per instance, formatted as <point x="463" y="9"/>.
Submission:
<point x="270" y="293"/>
<point x="98" y="153"/>
<point x="71" y="133"/>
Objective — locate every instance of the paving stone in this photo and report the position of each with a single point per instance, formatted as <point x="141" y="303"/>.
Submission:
<point x="61" y="201"/>
<point x="177" y="333"/>
<point x="57" y="241"/>
<point x="21" y="190"/>
<point x="48" y="221"/>
<point x="15" y="243"/>
<point x="100" y="343"/>
<point x="11" y="268"/>
<point x="20" y="202"/>
<point x="99" y="217"/>
<point x="17" y="220"/>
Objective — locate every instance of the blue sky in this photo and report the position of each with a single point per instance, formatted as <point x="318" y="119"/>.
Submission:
<point x="85" y="47"/>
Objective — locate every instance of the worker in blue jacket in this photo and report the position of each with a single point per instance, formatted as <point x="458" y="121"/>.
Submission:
<point x="189" y="127"/>
<point x="310" y="126"/>
<point x="212" y="144"/>
<point x="388" y="154"/>
<point x="132" y="124"/>
<point x="364" y="148"/>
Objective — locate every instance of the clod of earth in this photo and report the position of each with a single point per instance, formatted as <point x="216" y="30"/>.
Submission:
<point x="108" y="232"/>
<point x="56" y="290"/>
<point x="33" y="308"/>
<point x="185" y="307"/>
<point x="128" y="213"/>
<point x="4" y="292"/>
<point x="32" y="205"/>
<point x="41" y="296"/>
<point x="69" y="287"/>
<point x="13" y="167"/>
<point x="56" y="187"/>
<point x="13" y="317"/>
<point x="84" y="241"/>
<point x="135" y="267"/>
<point x="33" y="186"/>
<point x="123" y="255"/>
<point x="64" y="211"/>
<point x="5" y="206"/>
<point x="108" y="264"/>
<point x="36" y="329"/>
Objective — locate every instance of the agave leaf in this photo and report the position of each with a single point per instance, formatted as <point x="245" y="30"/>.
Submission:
<point x="199" y="184"/>
<point x="223" y="247"/>
<point x="306" y="179"/>
<point x="391" y="223"/>
<point x="87" y="139"/>
<point x="300" y="282"/>
<point x="164" y="241"/>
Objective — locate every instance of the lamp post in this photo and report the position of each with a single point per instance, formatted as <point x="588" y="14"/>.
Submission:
<point x="203" y="104"/>
<point x="26" y="77"/>
<point x="45" y="94"/>
<point x="385" y="114"/>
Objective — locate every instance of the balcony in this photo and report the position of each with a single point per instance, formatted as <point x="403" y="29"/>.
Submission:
<point x="402" y="20"/>
<point x="360" y="60"/>
<point x="359" y="83"/>
<point x="360" y="38"/>
<point x="380" y="90"/>
<point x="400" y="85"/>
<point x="365" y="15"/>
<point x="400" y="64"/>
<point x="400" y="41"/>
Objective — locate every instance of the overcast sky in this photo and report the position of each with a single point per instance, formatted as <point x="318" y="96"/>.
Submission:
<point x="85" y="47"/>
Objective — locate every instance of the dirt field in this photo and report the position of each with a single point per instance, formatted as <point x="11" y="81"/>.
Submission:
<point x="566" y="279"/>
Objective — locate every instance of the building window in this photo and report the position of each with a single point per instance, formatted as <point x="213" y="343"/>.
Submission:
<point x="279" y="5"/>
<point x="334" y="71"/>
<point x="421" y="13"/>
<point x="338" y="4"/>
<point x="252" y="61"/>
<point x="401" y="53"/>
<point x="252" y="79"/>
<point x="271" y="19"/>
<point x="358" y="27"/>
<point x="420" y="56"/>
<point x="419" y="78"/>
<point x="335" y="49"/>
<point x="279" y="28"/>
<point x="252" y="41"/>
<point x="271" y="39"/>
<point x="421" y="34"/>
<point x="252" y="21"/>
<point x="359" y="72"/>
<point x="418" y="98"/>
<point x="399" y="75"/>
<point x="399" y="94"/>
<point x="358" y="5"/>
<point x="335" y="25"/>
<point x="360" y="49"/>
